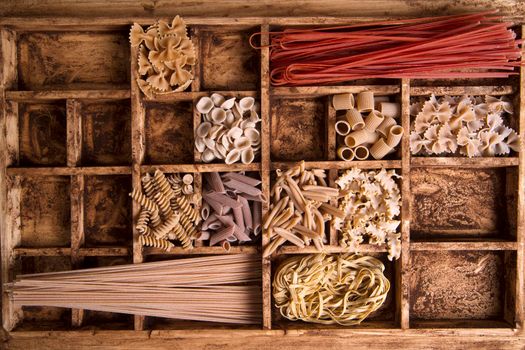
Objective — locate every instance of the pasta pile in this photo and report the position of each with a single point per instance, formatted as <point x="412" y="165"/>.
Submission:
<point x="370" y="202"/>
<point x="168" y="211"/>
<point x="470" y="125"/>
<point x="329" y="289"/>
<point x="226" y="210"/>
<point x="228" y="130"/>
<point x="369" y="126"/>
<point x="165" y="56"/>
<point x="212" y="288"/>
<point x="299" y="208"/>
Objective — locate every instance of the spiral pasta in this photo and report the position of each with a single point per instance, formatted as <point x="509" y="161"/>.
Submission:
<point x="144" y="201"/>
<point x="186" y="208"/>
<point x="330" y="289"/>
<point x="150" y="241"/>
<point x="142" y="221"/>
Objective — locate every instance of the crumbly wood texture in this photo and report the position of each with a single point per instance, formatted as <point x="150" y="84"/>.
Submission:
<point x="80" y="135"/>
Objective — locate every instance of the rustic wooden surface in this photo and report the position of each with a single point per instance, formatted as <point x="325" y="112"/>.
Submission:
<point x="92" y="173"/>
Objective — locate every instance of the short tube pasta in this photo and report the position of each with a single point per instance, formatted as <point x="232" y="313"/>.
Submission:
<point x="342" y="127"/>
<point x="380" y="149"/>
<point x="355" y="119"/>
<point x="345" y="153"/>
<point x="365" y="101"/>
<point x="373" y="120"/>
<point x="343" y="101"/>
<point x="385" y="126"/>
<point x="394" y="136"/>
<point x="390" y="109"/>
<point x="361" y="152"/>
<point x="360" y="137"/>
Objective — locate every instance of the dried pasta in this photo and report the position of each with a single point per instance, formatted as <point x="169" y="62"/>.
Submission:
<point x="165" y="56"/>
<point x="366" y="127"/>
<point x="233" y="216"/>
<point x="472" y="126"/>
<point x="330" y="289"/>
<point x="299" y="197"/>
<point x="179" y="216"/>
<point x="371" y="203"/>
<point x="228" y="129"/>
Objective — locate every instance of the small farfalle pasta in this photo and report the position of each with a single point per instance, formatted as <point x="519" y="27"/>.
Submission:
<point x="475" y="126"/>
<point x="165" y="56"/>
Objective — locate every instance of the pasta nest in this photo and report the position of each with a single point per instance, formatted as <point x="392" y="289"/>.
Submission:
<point x="165" y="56"/>
<point x="329" y="289"/>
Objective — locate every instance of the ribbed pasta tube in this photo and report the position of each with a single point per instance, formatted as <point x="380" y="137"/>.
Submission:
<point x="373" y="120"/>
<point x="355" y="119"/>
<point x="385" y="126"/>
<point x="365" y="101"/>
<point x="390" y="109"/>
<point x="345" y="153"/>
<point x="186" y="208"/>
<point x="150" y="241"/>
<point x="361" y="152"/>
<point x="394" y="136"/>
<point x="359" y="137"/>
<point x="343" y="101"/>
<point x="380" y="149"/>
<point x="144" y="201"/>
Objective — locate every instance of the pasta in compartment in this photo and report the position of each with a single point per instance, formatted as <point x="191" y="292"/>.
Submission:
<point x="372" y="126"/>
<point x="233" y="208"/>
<point x="370" y="203"/>
<point x="165" y="56"/>
<point x="471" y="126"/>
<point x="299" y="207"/>
<point x="330" y="289"/>
<point x="229" y="129"/>
<point x="172" y="196"/>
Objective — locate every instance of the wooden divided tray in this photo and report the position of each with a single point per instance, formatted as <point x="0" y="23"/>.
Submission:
<point x="80" y="134"/>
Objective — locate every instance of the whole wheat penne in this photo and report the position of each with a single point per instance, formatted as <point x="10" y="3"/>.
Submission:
<point x="285" y="216"/>
<point x="222" y="199"/>
<point x="300" y="229"/>
<point x="246" y="212"/>
<point x="238" y="232"/>
<point x="238" y="217"/>
<point x="273" y="245"/>
<point x="289" y="236"/>
<point x="330" y="209"/>
<point x="328" y="190"/>
<point x="256" y="217"/>
<point x="221" y="234"/>
<point x="214" y="181"/>
<point x="243" y="187"/>
<point x="242" y="178"/>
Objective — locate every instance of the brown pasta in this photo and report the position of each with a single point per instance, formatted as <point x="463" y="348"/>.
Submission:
<point x="150" y="241"/>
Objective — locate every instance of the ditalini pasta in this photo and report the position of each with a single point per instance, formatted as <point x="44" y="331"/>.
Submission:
<point x="366" y="127"/>
<point x="213" y="288"/>
<point x="330" y="289"/>
<point x="299" y="208"/>
<point x="469" y="125"/>
<point x="179" y="216"/>
<point x="370" y="203"/>
<point x="234" y="211"/>
<point x="165" y="56"/>
<point x="228" y="130"/>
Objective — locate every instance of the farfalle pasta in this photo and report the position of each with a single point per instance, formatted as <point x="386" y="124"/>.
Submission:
<point x="371" y="202"/>
<point x="165" y="56"/>
<point x="472" y="126"/>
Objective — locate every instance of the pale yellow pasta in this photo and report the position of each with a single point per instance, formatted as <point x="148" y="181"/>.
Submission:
<point x="394" y="136"/>
<point x="373" y="120"/>
<point x="365" y="101"/>
<point x="385" y="126"/>
<point x="361" y="152"/>
<point x="390" y="109"/>
<point x="342" y="127"/>
<point x="343" y="101"/>
<point x="359" y="137"/>
<point x="380" y="149"/>
<point x="330" y="289"/>
<point x="355" y="119"/>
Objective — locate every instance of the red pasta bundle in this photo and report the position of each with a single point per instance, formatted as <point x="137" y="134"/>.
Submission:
<point x="460" y="46"/>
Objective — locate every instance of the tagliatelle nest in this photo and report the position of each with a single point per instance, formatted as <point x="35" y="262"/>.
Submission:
<point x="165" y="56"/>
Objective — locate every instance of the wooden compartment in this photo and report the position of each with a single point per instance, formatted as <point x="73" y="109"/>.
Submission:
<point x="73" y="60"/>
<point x="169" y="133"/>
<point x="107" y="211"/>
<point x="459" y="204"/>
<point x="66" y="188"/>
<point x="44" y="211"/>
<point x="106" y="130"/>
<point x="42" y="133"/>
<point x="461" y="288"/>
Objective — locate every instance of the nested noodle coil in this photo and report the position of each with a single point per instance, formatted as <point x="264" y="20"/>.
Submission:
<point x="469" y="125"/>
<point x="330" y="289"/>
